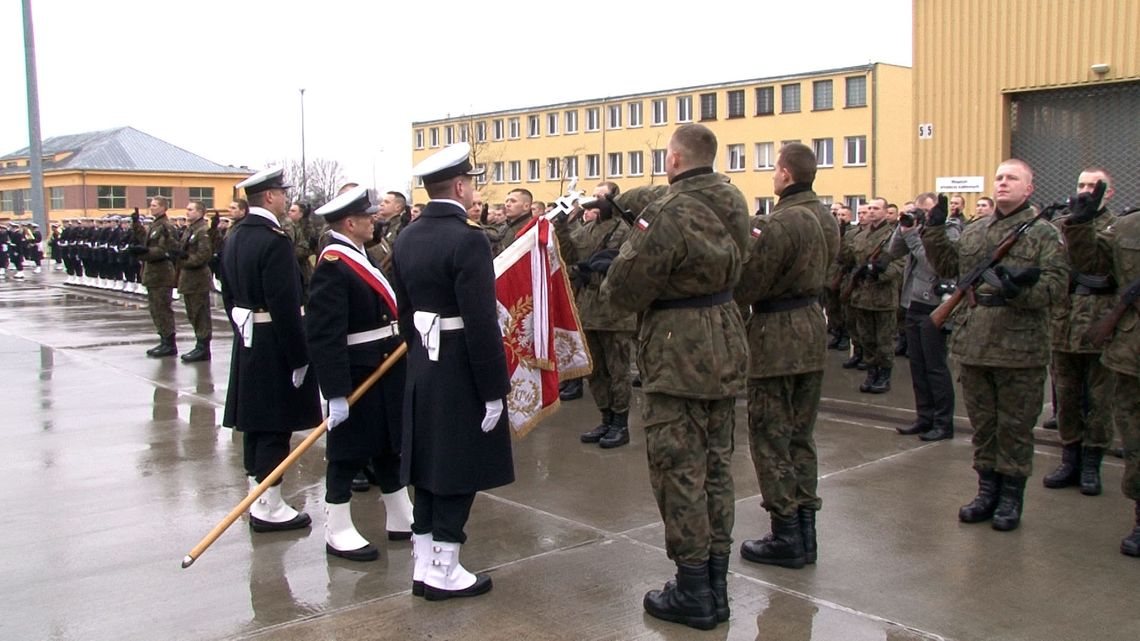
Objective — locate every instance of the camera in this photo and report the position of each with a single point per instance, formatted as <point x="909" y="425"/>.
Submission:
<point x="909" y="218"/>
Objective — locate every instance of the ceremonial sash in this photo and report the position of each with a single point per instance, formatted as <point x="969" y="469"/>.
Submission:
<point x="369" y="274"/>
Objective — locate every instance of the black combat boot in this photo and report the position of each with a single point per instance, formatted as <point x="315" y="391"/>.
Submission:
<point x="161" y="344"/>
<point x="1090" y="470"/>
<point x="844" y="342"/>
<point x="1069" y="471"/>
<point x="619" y="431"/>
<point x="833" y="340"/>
<point x="941" y="432"/>
<point x="807" y="532"/>
<point x="1050" y="424"/>
<point x="983" y="506"/>
<point x="1131" y="543"/>
<point x="570" y="390"/>
<point x="783" y="547"/>
<point x="918" y="427"/>
<point x="865" y="386"/>
<point x="596" y="434"/>
<point x="900" y="345"/>
<point x="882" y="382"/>
<point x="689" y="600"/>
<point x="718" y="582"/>
<point x="166" y="348"/>
<point x="1007" y="516"/>
<point x="855" y="360"/>
<point x="201" y="352"/>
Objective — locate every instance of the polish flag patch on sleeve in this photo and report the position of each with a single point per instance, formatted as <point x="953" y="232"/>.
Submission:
<point x="642" y="224"/>
<point x="756" y="232"/>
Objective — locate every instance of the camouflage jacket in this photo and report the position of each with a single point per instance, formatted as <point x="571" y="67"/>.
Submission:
<point x="578" y="245"/>
<point x="501" y="236"/>
<point x="159" y="237"/>
<point x="193" y="275"/>
<point x="846" y="258"/>
<point x="1114" y="249"/>
<point x="876" y="293"/>
<point x="788" y="258"/>
<point x="1016" y="334"/>
<point x="1076" y="309"/>
<point x="682" y="248"/>
<point x="381" y="251"/>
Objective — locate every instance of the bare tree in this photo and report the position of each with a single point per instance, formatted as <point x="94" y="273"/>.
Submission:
<point x="653" y="146"/>
<point x="480" y="151"/>
<point x="323" y="178"/>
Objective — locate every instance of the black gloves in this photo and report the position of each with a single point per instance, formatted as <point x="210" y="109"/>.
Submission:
<point x="1086" y="206"/>
<point x="136" y="250"/>
<point x="600" y="262"/>
<point x="937" y="214"/>
<point x="177" y="254"/>
<point x="878" y="266"/>
<point x="1011" y="280"/>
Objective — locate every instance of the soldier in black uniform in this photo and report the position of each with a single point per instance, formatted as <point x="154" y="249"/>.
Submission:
<point x="269" y="395"/>
<point x="456" y="439"/>
<point x="351" y="327"/>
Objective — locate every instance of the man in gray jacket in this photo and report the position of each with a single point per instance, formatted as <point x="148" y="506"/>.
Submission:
<point x="922" y="292"/>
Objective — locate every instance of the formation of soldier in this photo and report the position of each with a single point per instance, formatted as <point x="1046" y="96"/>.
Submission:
<point x="20" y="242"/>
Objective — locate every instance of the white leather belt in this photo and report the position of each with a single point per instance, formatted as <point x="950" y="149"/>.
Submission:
<point x="262" y="317"/>
<point x="372" y="335"/>
<point x="245" y="319"/>
<point x="429" y="325"/>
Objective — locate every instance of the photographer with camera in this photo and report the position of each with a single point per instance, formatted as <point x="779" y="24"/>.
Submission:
<point x="922" y="292"/>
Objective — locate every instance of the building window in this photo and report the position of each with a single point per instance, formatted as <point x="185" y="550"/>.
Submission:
<point x="497" y="172"/>
<point x="593" y="123"/>
<point x="593" y="166"/>
<point x="155" y="192"/>
<point x="856" y="150"/>
<point x="56" y="198"/>
<point x="613" y="120"/>
<point x="790" y="98"/>
<point x="824" y="149"/>
<point x="419" y="139"/>
<point x="684" y="109"/>
<point x="853" y="203"/>
<point x="464" y="132"/>
<point x="636" y="163"/>
<point x="497" y="129"/>
<point x="736" y="103"/>
<point x="553" y="169"/>
<point x="635" y="114"/>
<point x="572" y="122"/>
<point x="112" y="197"/>
<point x="736" y="158"/>
<point x="571" y="167"/>
<point x="532" y="130"/>
<point x="532" y="170"/>
<point x="551" y="124"/>
<point x="449" y="135"/>
<point x="433" y="136"/>
<point x="481" y="131"/>
<point x="708" y="106"/>
<point x="615" y="164"/>
<point x="658" y="162"/>
<point x="204" y="195"/>
<point x="481" y="179"/>
<point x="515" y="171"/>
<point x="857" y="91"/>
<point x="825" y="200"/>
<point x="764" y="206"/>
<point x="660" y="111"/>
<point x="765" y="159"/>
<point x="765" y="101"/>
<point x="6" y="201"/>
<point x="821" y="95"/>
<point x="513" y="128"/>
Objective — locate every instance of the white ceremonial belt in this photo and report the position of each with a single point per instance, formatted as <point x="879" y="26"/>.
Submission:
<point x="262" y="317"/>
<point x="373" y="335"/>
<point x="451" y="323"/>
<point x="429" y="325"/>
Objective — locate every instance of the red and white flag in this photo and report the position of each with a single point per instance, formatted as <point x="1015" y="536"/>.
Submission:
<point x="539" y="320"/>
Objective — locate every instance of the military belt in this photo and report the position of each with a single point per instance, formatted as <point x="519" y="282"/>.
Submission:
<point x="783" y="304"/>
<point x="712" y="300"/>
<point x="1090" y="285"/>
<point x="991" y="300"/>
<point x="373" y="335"/>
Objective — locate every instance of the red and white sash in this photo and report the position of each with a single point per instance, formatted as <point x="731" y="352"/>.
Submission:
<point x="372" y="276"/>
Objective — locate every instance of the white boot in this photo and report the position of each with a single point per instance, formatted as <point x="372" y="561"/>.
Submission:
<point x="421" y="560"/>
<point x="174" y="294"/>
<point x="142" y="289"/>
<point x="37" y="270"/>
<point x="18" y="276"/>
<point x="398" y="507"/>
<point x="341" y="537"/>
<point x="446" y="578"/>
<point x="269" y="513"/>
<point x="120" y="285"/>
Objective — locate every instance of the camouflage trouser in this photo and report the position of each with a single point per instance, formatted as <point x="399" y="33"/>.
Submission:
<point x="848" y="313"/>
<point x="610" y="382"/>
<point x="876" y="332"/>
<point x="1127" y="412"/>
<point x="781" y="426"/>
<point x="1084" y="399"/>
<point x="161" y="309"/>
<point x="689" y="443"/>
<point x="198" y="311"/>
<point x="1003" y="404"/>
<point x="834" y="308"/>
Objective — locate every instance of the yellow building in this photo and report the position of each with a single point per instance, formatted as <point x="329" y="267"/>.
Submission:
<point x="1053" y="82"/>
<point x="858" y="119"/>
<point x="113" y="171"/>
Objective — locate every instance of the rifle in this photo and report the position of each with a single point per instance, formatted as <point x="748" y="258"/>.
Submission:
<point x="861" y="273"/>
<point x="967" y="283"/>
<point x="1098" y="334"/>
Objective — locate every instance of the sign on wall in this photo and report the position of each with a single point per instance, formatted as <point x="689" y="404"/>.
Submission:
<point x="946" y="184"/>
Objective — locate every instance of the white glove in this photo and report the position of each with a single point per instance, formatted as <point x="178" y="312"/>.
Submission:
<point x="494" y="411"/>
<point x="338" y="411"/>
<point x="299" y="376"/>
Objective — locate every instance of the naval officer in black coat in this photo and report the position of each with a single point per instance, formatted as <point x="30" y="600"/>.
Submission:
<point x="456" y="438"/>
<point x="351" y="328"/>
<point x="269" y="395"/>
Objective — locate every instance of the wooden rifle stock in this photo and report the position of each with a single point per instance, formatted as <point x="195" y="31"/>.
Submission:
<point x="1100" y="331"/>
<point x="942" y="314"/>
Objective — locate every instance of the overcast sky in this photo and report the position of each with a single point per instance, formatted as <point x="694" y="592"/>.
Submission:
<point x="222" y="78"/>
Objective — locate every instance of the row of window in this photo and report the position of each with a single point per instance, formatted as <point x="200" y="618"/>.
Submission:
<point x="764" y="204"/>
<point x="630" y="114"/>
<point x="107" y="197"/>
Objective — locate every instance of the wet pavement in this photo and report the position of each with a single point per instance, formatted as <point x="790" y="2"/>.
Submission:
<point x="116" y="466"/>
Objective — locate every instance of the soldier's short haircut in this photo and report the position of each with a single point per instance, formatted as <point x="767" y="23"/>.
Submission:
<point x="988" y="200"/>
<point x="399" y="198"/>
<point x="440" y="189"/>
<point x="613" y="188"/>
<point x="197" y="204"/>
<point x="696" y="143"/>
<point x="1017" y="162"/>
<point x="799" y="160"/>
<point x="243" y="205"/>
<point x="539" y="203"/>
<point x="258" y="199"/>
<point x="527" y="196"/>
<point x="924" y="197"/>
<point x="1101" y="171"/>
<point x="161" y="200"/>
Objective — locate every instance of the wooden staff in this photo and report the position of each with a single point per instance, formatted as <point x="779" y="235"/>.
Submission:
<point x="225" y="523"/>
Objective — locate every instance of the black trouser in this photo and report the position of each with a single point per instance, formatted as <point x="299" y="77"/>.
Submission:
<point x="339" y="476"/>
<point x="441" y="516"/>
<point x="263" y="452"/>
<point x="929" y="373"/>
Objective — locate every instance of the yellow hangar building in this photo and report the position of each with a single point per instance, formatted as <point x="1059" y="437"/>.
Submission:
<point x="858" y="120"/>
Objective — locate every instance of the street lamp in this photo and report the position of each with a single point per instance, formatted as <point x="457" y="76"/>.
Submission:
<point x="304" y="168"/>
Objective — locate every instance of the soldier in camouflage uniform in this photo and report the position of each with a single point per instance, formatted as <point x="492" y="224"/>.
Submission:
<point x="303" y="234"/>
<point x="784" y="276"/>
<point x="517" y="207"/>
<point x="998" y="343"/>
<point x="836" y="327"/>
<point x="1083" y="385"/>
<point x="1115" y="249"/>
<point x="847" y="262"/>
<point x="195" y="281"/>
<point x="154" y="245"/>
<point x="875" y="298"/>
<point x="683" y="257"/>
<point x="389" y="221"/>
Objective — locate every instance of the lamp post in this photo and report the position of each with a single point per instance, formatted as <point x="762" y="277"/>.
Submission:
<point x="304" y="167"/>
